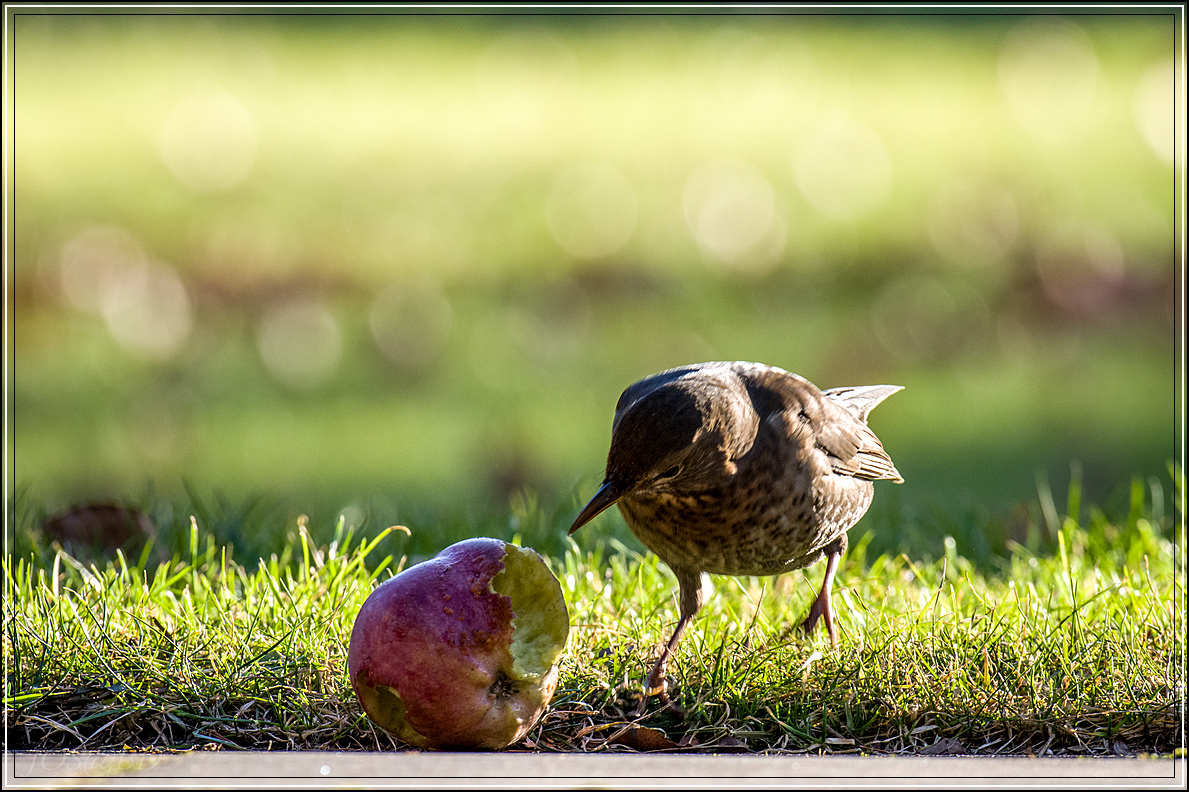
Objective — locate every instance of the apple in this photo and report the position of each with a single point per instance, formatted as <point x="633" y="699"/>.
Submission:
<point x="461" y="651"/>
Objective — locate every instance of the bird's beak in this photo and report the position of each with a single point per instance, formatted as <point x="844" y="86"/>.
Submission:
<point x="606" y="497"/>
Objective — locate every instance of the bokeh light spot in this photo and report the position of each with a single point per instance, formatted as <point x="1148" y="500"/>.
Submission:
<point x="730" y="208"/>
<point x="411" y="323"/>
<point x="843" y="169"/>
<point x="1154" y="109"/>
<point x="591" y="210"/>
<point x="94" y="262"/>
<point x="300" y="343"/>
<point x="104" y="271"/>
<point x="1049" y="73"/>
<point x="208" y="142"/>
<point x="148" y="311"/>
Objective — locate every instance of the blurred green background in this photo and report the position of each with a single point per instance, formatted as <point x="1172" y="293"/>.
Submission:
<point x="402" y="266"/>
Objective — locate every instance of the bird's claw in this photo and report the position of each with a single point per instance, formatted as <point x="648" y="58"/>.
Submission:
<point x="656" y="685"/>
<point x="661" y="693"/>
<point x="652" y="688"/>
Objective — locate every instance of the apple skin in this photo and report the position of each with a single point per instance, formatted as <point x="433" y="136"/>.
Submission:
<point x="436" y="660"/>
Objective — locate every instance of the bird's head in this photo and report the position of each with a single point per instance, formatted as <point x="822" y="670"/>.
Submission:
<point x="674" y="435"/>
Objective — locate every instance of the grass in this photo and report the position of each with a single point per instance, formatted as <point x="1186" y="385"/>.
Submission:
<point x="1073" y="647"/>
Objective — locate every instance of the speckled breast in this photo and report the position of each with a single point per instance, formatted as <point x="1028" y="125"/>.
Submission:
<point x="756" y="525"/>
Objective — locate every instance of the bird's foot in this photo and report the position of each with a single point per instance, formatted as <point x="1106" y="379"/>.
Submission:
<point x="821" y="610"/>
<point x="652" y="688"/>
<point x="667" y="704"/>
<point x="655" y="686"/>
<point x="831" y="630"/>
<point x="810" y="622"/>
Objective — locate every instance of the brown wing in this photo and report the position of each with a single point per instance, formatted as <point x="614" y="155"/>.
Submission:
<point x="852" y="448"/>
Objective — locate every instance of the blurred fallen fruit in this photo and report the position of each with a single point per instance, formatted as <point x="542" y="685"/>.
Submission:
<point x="96" y="530"/>
<point x="461" y="651"/>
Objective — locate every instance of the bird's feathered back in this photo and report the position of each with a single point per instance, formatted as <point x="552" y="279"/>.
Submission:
<point x="836" y="418"/>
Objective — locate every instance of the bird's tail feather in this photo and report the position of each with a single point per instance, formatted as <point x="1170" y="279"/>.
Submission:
<point x="861" y="399"/>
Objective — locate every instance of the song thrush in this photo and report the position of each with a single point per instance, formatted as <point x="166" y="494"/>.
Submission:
<point x="741" y="469"/>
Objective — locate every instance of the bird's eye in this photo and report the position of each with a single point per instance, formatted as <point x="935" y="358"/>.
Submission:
<point x="670" y="473"/>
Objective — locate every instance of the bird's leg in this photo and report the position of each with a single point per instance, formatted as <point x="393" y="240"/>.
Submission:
<point x="821" y="607"/>
<point x="691" y="602"/>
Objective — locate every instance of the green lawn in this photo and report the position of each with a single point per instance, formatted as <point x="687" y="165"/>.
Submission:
<point x="1075" y="646"/>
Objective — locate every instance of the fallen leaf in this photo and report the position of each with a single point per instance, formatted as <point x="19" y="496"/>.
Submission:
<point x="643" y="738"/>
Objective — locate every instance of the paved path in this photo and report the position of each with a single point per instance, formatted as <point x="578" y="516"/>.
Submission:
<point x="414" y="769"/>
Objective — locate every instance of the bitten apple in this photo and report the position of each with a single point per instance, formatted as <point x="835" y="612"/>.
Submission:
<point x="461" y="651"/>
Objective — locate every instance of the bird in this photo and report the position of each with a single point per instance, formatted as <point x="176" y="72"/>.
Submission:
<point x="738" y="468"/>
